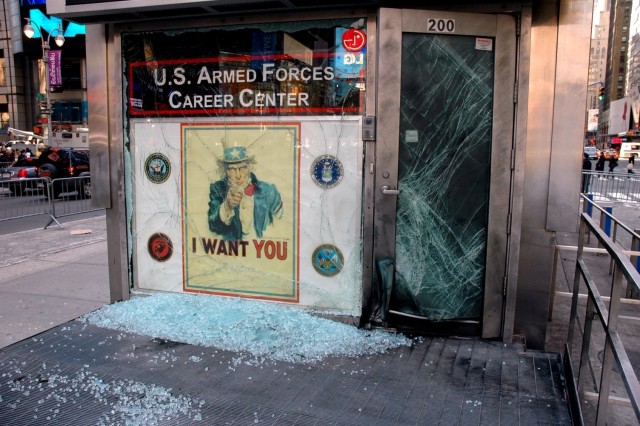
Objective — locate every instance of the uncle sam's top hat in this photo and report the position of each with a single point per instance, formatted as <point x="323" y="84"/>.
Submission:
<point x="234" y="150"/>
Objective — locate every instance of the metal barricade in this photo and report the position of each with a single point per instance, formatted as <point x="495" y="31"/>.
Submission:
<point x="56" y="198"/>
<point x="69" y="196"/>
<point x="612" y="186"/>
<point x="579" y="357"/>
<point x="24" y="198"/>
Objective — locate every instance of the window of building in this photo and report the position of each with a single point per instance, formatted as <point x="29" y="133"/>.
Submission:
<point x="3" y="80"/>
<point x="67" y="111"/>
<point x="72" y="74"/>
<point x="4" y="116"/>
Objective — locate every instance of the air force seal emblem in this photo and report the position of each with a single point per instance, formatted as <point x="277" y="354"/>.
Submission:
<point x="327" y="171"/>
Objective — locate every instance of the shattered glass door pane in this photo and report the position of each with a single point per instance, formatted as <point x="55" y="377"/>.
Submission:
<point x="444" y="168"/>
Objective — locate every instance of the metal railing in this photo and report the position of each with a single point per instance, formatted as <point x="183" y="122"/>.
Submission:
<point x="607" y="310"/>
<point x="41" y="196"/>
<point x="612" y="186"/>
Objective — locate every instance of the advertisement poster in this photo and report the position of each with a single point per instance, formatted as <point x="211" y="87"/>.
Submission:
<point x="619" y="116"/>
<point x="240" y="189"/>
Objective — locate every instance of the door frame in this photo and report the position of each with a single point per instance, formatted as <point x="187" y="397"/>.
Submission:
<point x="392" y="23"/>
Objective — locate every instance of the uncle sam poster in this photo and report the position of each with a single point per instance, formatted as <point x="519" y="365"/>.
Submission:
<point x="240" y="217"/>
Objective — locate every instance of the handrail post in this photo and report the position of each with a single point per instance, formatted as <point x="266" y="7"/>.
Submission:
<point x="608" y="361"/>
<point x="635" y="245"/>
<point x="582" y="233"/>
<point x="608" y="207"/>
<point x="554" y="270"/>
<point x="589" y="205"/>
<point x="605" y="220"/>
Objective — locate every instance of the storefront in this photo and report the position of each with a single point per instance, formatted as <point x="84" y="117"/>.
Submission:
<point x="368" y="163"/>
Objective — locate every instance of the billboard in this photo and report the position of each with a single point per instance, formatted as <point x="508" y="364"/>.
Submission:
<point x="592" y="120"/>
<point x="619" y="115"/>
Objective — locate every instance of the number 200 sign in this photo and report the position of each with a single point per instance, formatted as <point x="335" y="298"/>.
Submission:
<point x="441" y="25"/>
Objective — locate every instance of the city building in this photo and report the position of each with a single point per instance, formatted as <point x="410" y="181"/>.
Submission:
<point x="632" y="87"/>
<point x="597" y="67"/>
<point x="616" y="69"/>
<point x="598" y="54"/>
<point x="23" y="87"/>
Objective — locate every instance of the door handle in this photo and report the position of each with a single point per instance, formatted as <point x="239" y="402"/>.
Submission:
<point x="386" y="190"/>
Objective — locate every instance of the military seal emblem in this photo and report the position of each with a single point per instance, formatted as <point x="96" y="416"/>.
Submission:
<point x="160" y="247"/>
<point x="327" y="171"/>
<point x="327" y="260"/>
<point x="157" y="167"/>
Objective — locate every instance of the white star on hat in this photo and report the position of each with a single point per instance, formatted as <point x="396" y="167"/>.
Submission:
<point x="235" y="153"/>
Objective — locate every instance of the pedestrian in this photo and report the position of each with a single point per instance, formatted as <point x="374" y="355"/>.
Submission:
<point x="600" y="165"/>
<point x="632" y="161"/>
<point x="586" y="172"/>
<point x="613" y="163"/>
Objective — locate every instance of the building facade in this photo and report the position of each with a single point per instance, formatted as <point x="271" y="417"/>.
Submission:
<point x="23" y="86"/>
<point x="368" y="160"/>
<point x="616" y="70"/>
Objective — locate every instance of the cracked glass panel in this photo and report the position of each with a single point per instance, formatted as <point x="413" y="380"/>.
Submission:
<point x="243" y="160"/>
<point x="444" y="168"/>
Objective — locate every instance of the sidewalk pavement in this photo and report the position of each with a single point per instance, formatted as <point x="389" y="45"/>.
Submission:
<point x="51" y="276"/>
<point x="58" y="371"/>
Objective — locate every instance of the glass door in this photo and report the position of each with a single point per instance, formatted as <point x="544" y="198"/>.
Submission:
<point x="443" y="167"/>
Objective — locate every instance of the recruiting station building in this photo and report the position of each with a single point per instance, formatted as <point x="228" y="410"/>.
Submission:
<point x="391" y="164"/>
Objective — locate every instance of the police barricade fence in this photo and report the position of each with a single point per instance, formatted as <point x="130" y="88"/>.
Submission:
<point x="43" y="196"/>
<point x="23" y="198"/>
<point x="611" y="186"/>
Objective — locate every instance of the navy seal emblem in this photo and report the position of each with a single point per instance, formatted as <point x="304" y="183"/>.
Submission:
<point x="327" y="171"/>
<point x="160" y="247"/>
<point x="157" y="167"/>
<point x="327" y="260"/>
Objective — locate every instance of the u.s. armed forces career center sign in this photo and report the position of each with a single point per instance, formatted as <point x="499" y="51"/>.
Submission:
<point x="241" y="85"/>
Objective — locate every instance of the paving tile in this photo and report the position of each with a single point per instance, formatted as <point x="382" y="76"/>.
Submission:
<point x="490" y="410"/>
<point x="545" y="386"/>
<point x="526" y="377"/>
<point x="509" y="410"/>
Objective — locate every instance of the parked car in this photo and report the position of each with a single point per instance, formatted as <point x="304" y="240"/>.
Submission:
<point x="58" y="163"/>
<point x="20" y="176"/>
<point x="591" y="151"/>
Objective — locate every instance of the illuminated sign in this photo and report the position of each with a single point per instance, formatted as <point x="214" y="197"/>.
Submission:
<point x="233" y="85"/>
<point x="51" y="24"/>
<point x="354" y="40"/>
